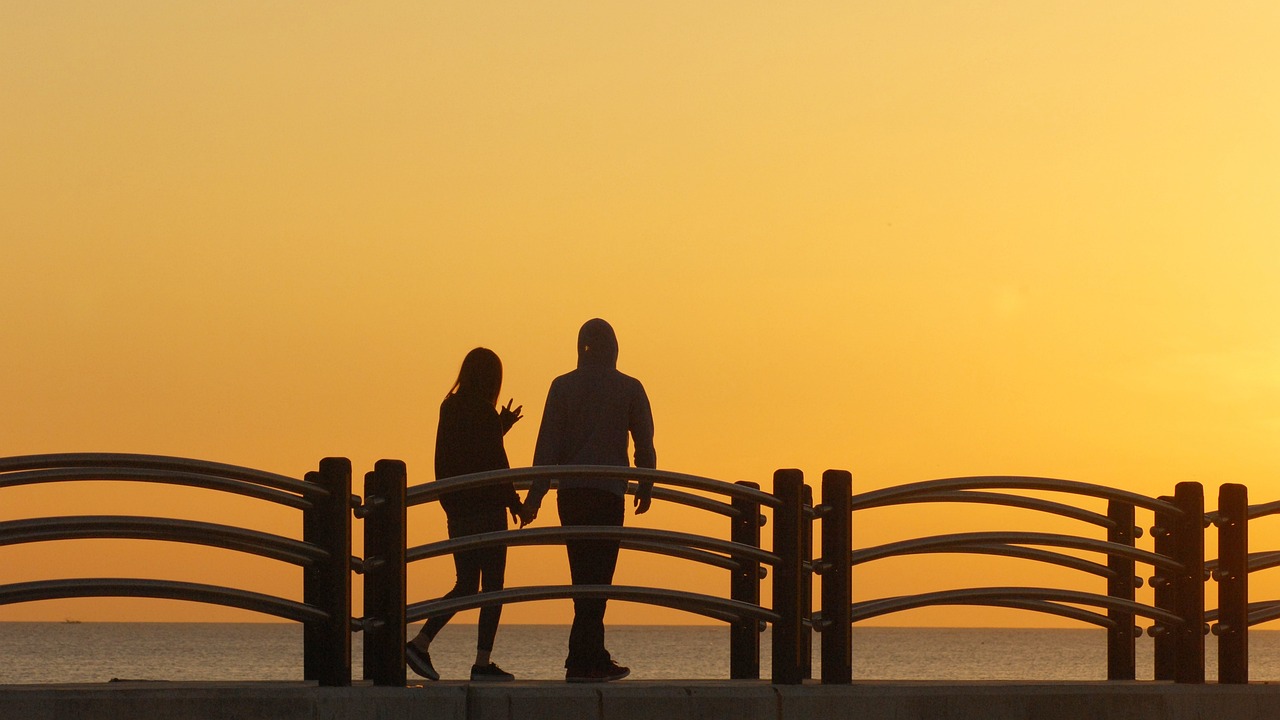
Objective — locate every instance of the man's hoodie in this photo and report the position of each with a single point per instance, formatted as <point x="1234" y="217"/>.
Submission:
<point x="591" y="411"/>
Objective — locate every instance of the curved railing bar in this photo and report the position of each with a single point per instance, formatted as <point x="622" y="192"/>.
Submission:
<point x="164" y="463"/>
<point x="1024" y="553"/>
<point x="162" y="589"/>
<point x="690" y="500"/>
<point x="1052" y="608"/>
<point x="985" y="596"/>
<point x="885" y="496"/>
<point x="707" y="605"/>
<point x="1017" y="501"/>
<point x="427" y="492"/>
<point x="1264" y="509"/>
<point x="916" y="546"/>
<point x="226" y="537"/>
<point x="673" y="496"/>
<point x="1257" y="561"/>
<point x="556" y="535"/>
<point x="294" y="499"/>
<point x="1041" y="606"/>
<point x="1263" y="560"/>
<point x="1263" y="611"/>
<point x="686" y="553"/>
<point x="1259" y="612"/>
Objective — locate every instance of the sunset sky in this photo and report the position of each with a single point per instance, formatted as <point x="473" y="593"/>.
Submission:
<point x="908" y="239"/>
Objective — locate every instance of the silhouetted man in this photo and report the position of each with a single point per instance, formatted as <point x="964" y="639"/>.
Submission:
<point x="590" y="413"/>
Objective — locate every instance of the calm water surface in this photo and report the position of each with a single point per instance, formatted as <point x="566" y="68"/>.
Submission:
<point x="99" y="652"/>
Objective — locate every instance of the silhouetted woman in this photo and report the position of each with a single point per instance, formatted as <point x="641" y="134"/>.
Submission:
<point x="470" y="440"/>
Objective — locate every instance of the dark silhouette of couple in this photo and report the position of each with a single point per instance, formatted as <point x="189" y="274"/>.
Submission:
<point x="590" y="413"/>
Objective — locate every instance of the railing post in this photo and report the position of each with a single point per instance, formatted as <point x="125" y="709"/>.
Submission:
<point x="1121" y="655"/>
<point x="744" y="635"/>
<point x="1189" y="548"/>
<point x="806" y="582"/>
<point x="837" y="586"/>
<point x="1233" y="584"/>
<point x="1163" y="587"/>
<point x="326" y="584"/>
<point x="787" y="593"/>
<point x="384" y="575"/>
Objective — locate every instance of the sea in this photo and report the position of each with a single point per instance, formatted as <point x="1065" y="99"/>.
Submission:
<point x="88" y="652"/>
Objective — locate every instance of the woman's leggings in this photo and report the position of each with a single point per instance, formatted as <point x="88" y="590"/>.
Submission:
<point x="477" y="570"/>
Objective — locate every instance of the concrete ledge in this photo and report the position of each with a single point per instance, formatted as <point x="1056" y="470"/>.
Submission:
<point x="632" y="700"/>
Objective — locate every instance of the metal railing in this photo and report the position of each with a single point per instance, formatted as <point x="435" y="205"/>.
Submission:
<point x="1177" y="612"/>
<point x="1177" y="561"/>
<point x="324" y="552"/>
<point x="387" y="611"/>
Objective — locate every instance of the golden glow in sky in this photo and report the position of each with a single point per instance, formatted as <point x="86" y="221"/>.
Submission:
<point x="911" y="240"/>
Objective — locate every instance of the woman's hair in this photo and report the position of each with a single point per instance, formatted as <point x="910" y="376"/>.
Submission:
<point x="480" y="376"/>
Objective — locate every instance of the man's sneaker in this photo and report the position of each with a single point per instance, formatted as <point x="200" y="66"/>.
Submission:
<point x="607" y="672"/>
<point x="419" y="661"/>
<point x="490" y="673"/>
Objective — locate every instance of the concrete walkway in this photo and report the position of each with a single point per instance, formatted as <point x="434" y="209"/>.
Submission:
<point x="633" y="700"/>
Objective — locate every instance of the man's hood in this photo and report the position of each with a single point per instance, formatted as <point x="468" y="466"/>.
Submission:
<point x="597" y="344"/>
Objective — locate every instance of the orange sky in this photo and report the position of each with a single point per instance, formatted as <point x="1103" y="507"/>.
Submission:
<point x="912" y="240"/>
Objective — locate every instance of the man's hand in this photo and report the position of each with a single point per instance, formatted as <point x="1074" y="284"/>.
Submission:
<point x="528" y="513"/>
<point x="643" y="499"/>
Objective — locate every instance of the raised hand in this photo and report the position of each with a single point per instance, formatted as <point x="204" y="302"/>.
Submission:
<point x="510" y="417"/>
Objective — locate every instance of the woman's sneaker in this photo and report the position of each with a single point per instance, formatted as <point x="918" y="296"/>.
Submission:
<point x="607" y="672"/>
<point x="419" y="661"/>
<point x="490" y="673"/>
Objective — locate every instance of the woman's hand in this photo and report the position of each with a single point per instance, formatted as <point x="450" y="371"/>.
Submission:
<point x="510" y="417"/>
<point x="528" y="513"/>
